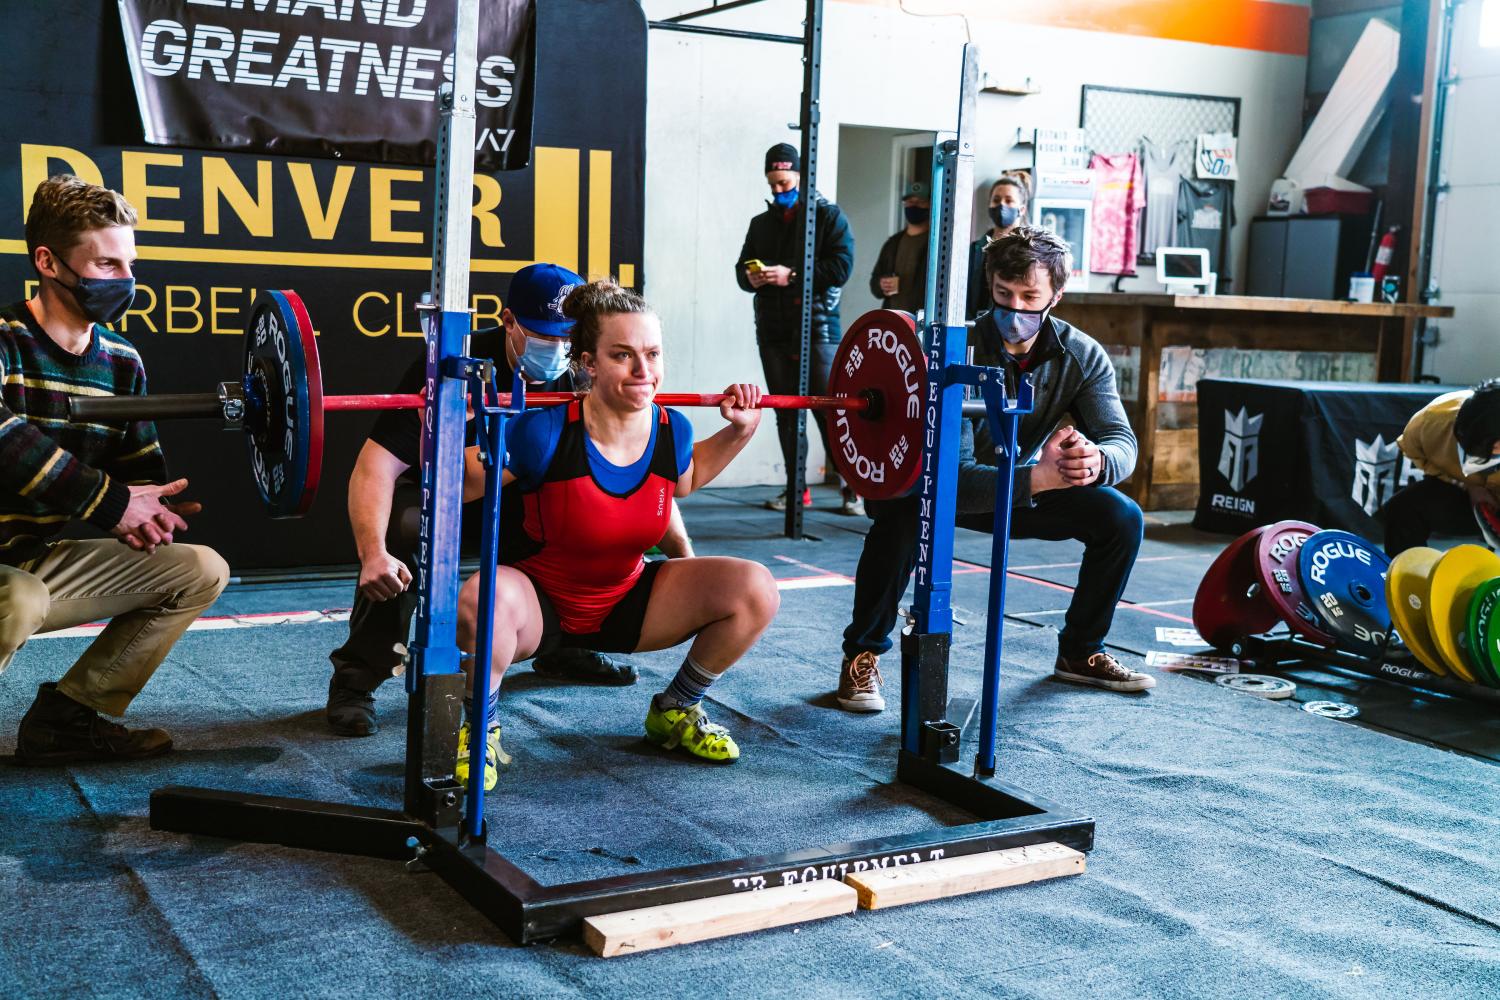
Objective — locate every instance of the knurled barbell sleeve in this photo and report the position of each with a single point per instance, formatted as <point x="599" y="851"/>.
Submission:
<point x="117" y="409"/>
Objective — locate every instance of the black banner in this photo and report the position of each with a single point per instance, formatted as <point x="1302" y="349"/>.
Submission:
<point x="342" y="79"/>
<point x="353" y="239"/>
<point x="1322" y="452"/>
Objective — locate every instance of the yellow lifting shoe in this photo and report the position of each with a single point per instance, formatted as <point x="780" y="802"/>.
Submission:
<point x="688" y="729"/>
<point x="494" y="756"/>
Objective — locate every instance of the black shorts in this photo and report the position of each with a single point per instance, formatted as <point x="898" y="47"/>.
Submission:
<point x="619" y="632"/>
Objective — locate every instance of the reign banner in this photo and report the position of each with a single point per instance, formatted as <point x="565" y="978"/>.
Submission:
<point x="352" y="238"/>
<point x="1323" y="452"/>
<point x="347" y="79"/>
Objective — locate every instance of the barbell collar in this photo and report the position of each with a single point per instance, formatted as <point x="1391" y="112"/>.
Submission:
<point x="232" y="404"/>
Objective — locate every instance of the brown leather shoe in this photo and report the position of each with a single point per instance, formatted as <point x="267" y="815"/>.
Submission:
<point x="859" y="684"/>
<point x="1102" y="670"/>
<point x="58" y="730"/>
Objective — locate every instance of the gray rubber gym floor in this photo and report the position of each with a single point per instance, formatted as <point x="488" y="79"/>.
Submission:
<point x="1244" y="848"/>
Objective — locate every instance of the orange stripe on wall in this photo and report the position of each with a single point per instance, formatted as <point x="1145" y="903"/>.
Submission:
<point x="1262" y="25"/>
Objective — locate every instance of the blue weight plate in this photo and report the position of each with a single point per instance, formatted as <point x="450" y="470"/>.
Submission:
<point x="1344" y="577"/>
<point x="283" y="403"/>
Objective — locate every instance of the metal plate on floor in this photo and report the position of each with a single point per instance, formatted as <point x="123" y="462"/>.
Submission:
<point x="1229" y="605"/>
<point x="1408" y="587"/>
<point x="1331" y="709"/>
<point x="1454" y="579"/>
<point x="1260" y="685"/>
<point x="1344" y="577"/>
<point x="1276" y="562"/>
<point x="1484" y="621"/>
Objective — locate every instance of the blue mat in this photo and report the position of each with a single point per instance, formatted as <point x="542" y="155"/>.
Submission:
<point x="1243" y="846"/>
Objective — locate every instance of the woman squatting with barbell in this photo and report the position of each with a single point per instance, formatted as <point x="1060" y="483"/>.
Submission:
<point x="597" y="478"/>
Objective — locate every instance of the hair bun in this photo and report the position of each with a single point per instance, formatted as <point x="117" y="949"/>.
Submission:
<point x="589" y="303"/>
<point x="586" y="299"/>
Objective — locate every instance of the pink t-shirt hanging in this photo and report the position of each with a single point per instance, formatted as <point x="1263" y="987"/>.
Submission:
<point x="1118" y="199"/>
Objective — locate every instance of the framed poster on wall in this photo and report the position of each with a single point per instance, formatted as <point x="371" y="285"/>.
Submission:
<point x="1064" y="197"/>
<point x="1069" y="219"/>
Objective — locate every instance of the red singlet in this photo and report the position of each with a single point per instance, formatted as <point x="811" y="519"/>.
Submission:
<point x="587" y="542"/>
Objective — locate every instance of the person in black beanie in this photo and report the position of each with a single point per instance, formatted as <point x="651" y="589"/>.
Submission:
<point x="768" y="267"/>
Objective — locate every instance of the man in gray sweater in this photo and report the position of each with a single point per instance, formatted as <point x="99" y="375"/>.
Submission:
<point x="1077" y="444"/>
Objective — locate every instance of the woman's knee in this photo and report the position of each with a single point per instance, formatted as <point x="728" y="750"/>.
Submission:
<point x="761" y="596"/>
<point x="512" y="604"/>
<point x="24" y="603"/>
<point x="468" y="612"/>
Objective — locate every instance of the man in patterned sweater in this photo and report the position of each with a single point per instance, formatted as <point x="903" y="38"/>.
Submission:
<point x="53" y="471"/>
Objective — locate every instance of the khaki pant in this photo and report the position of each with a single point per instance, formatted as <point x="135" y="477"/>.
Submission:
<point x="150" y="601"/>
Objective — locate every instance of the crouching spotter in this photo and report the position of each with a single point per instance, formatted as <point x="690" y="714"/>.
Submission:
<point x="597" y="478"/>
<point x="56" y="472"/>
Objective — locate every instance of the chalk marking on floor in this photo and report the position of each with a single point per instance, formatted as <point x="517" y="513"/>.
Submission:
<point x="819" y="579"/>
<point x="1145" y="609"/>
<point x="221" y="622"/>
<point x="1075" y="565"/>
<point x="813" y="582"/>
<point x="819" y="570"/>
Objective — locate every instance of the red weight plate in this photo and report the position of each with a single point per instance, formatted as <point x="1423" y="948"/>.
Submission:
<point x="1229" y="606"/>
<point x="313" y="372"/>
<point x="1276" y="563"/>
<point x="879" y="452"/>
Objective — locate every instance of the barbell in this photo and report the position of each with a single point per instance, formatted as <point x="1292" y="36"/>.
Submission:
<point x="877" y="394"/>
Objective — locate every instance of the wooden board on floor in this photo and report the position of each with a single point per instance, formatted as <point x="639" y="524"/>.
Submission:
<point x="631" y="931"/>
<point x="971" y="873"/>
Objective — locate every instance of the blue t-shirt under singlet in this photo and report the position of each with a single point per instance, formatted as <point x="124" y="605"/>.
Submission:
<point x="531" y="440"/>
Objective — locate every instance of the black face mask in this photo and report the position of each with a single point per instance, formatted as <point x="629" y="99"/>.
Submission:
<point x="916" y="214"/>
<point x="103" y="300"/>
<point x="1004" y="216"/>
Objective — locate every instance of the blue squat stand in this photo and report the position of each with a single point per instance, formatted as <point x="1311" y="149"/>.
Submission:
<point x="441" y="828"/>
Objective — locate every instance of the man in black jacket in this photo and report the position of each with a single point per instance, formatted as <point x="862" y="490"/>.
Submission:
<point x="768" y="267"/>
<point x="900" y="276"/>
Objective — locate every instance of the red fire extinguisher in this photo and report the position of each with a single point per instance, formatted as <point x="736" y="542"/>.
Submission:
<point x="1384" y="254"/>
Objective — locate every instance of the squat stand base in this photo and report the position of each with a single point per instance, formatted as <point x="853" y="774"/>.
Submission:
<point x="528" y="911"/>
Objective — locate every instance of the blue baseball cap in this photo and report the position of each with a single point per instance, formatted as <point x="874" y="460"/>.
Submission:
<point x="536" y="298"/>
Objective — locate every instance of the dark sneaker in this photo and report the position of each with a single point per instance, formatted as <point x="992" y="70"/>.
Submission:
<point x="58" y="730"/>
<point x="1102" y="670"/>
<point x="585" y="666"/>
<point x="859" y="684"/>
<point x="351" y="712"/>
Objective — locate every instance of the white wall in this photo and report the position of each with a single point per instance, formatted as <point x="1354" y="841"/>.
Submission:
<point x="713" y="108"/>
<point x="716" y="104"/>
<point x="869" y="180"/>
<point x="1466" y="227"/>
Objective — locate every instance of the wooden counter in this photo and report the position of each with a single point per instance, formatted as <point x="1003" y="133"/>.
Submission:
<point x="1163" y="343"/>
